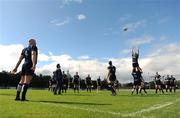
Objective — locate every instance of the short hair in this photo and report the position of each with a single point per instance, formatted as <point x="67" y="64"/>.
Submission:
<point x="110" y="62"/>
<point x="58" y="66"/>
<point x="32" y="40"/>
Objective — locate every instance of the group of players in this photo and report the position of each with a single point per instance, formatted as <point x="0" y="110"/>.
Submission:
<point x="60" y="81"/>
<point x="169" y="83"/>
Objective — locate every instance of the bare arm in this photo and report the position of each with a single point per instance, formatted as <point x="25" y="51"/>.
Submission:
<point x="18" y="63"/>
<point x="34" y="59"/>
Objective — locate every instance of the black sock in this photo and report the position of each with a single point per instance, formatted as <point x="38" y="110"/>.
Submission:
<point x="136" y="91"/>
<point x="162" y="90"/>
<point x="156" y="90"/>
<point x="25" y="87"/>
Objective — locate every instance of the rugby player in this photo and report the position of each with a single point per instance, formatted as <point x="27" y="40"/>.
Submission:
<point x="64" y="82"/>
<point x="98" y="82"/>
<point x="137" y="80"/>
<point x="88" y="83"/>
<point x="111" y="77"/>
<point x="167" y="83"/>
<point x="29" y="54"/>
<point x="158" y="83"/>
<point x="173" y="84"/>
<point x="58" y="75"/>
<point x="135" y="57"/>
<point x="76" y="82"/>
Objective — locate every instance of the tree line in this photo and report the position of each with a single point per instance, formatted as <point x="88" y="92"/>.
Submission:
<point x="8" y="80"/>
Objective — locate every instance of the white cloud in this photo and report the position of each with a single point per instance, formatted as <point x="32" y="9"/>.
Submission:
<point x="84" y="57"/>
<point x="9" y="53"/>
<point x="165" y="59"/>
<point x="43" y="57"/>
<point x="145" y="39"/>
<point x="68" y="2"/>
<point x="60" y="23"/>
<point x="81" y="17"/>
<point x="135" y="26"/>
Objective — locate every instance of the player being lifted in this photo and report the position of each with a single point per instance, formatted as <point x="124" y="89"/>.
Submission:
<point x="88" y="83"/>
<point x="28" y="68"/>
<point x="98" y="83"/>
<point x="76" y="82"/>
<point x="158" y="83"/>
<point x="135" y="57"/>
<point x="111" y="77"/>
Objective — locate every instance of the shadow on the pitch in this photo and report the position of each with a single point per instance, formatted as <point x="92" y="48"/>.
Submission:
<point x="77" y="94"/>
<point x="6" y="94"/>
<point x="80" y="103"/>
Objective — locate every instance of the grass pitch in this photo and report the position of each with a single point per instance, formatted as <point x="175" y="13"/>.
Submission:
<point x="43" y="104"/>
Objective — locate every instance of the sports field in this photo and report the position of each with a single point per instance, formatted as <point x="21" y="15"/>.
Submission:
<point x="43" y="104"/>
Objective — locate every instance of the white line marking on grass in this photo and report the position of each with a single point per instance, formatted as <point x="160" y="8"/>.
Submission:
<point x="137" y="113"/>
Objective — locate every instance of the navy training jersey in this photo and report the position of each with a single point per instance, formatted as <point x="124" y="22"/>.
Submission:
<point x="112" y="70"/>
<point x="26" y="52"/>
<point x="135" y="58"/>
<point x="135" y="76"/>
<point x="58" y="74"/>
<point x="76" y="78"/>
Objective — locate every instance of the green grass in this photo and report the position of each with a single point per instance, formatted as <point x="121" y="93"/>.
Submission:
<point x="43" y="104"/>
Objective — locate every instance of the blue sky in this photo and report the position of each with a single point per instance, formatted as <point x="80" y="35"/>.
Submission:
<point x="90" y="28"/>
<point x="99" y="35"/>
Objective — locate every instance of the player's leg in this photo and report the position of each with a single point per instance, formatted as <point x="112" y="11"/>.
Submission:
<point x="166" y="86"/>
<point x="27" y="81"/>
<point x="19" y="88"/>
<point x="60" y="87"/>
<point x="78" y="87"/>
<point x="133" y="89"/>
<point x="161" y="89"/>
<point x="156" y="87"/>
<point x="137" y="89"/>
<point x="56" y="88"/>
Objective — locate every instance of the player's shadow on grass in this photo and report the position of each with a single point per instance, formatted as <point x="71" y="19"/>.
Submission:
<point x="6" y="94"/>
<point x="80" y="103"/>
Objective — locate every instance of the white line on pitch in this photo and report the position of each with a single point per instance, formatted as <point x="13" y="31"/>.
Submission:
<point x="152" y="108"/>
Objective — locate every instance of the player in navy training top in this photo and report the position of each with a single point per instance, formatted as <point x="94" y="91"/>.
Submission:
<point x="29" y="54"/>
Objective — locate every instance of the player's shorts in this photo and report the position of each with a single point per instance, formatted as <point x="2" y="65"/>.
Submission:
<point x="89" y="83"/>
<point x="98" y="84"/>
<point x="168" y="83"/>
<point x="173" y="84"/>
<point x="137" y="83"/>
<point x="27" y="70"/>
<point x="135" y="65"/>
<point x="158" y="82"/>
<point x="112" y="78"/>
